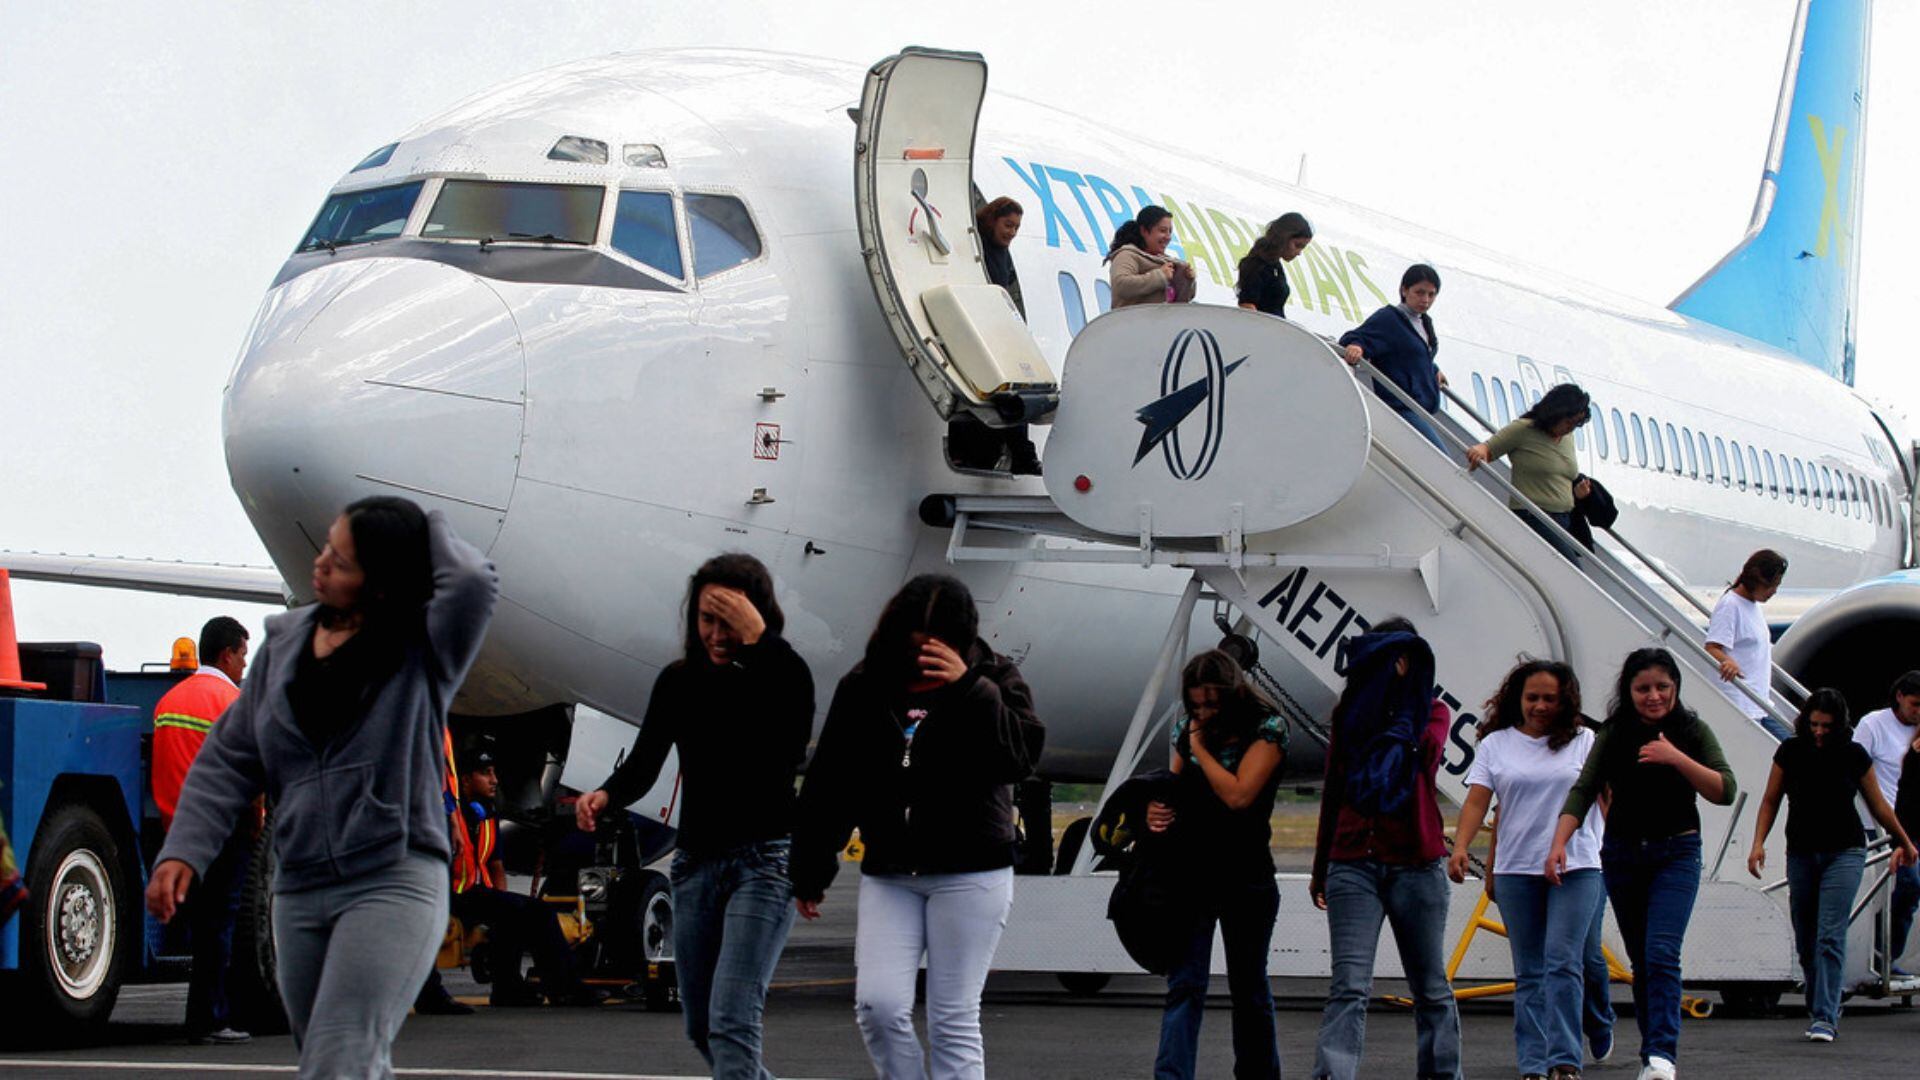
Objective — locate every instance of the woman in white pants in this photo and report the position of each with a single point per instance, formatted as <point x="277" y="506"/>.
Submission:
<point x="921" y="747"/>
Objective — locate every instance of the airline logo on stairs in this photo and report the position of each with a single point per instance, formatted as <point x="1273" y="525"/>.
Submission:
<point x="1162" y="417"/>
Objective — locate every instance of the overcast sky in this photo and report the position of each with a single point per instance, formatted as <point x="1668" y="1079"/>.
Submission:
<point x="161" y="160"/>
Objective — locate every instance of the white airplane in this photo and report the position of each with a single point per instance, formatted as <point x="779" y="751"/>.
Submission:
<point x="614" y="317"/>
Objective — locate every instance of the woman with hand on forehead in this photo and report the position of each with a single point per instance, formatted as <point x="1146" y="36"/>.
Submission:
<point x="921" y="747"/>
<point x="738" y="707"/>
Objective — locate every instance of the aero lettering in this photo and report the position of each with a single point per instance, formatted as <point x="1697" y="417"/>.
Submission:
<point x="1310" y="612"/>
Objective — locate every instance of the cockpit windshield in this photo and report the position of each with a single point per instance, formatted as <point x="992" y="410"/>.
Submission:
<point x="359" y="217"/>
<point x="492" y="210"/>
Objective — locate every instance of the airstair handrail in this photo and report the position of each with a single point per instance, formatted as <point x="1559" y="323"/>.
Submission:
<point x="1684" y="633"/>
<point x="1781" y="676"/>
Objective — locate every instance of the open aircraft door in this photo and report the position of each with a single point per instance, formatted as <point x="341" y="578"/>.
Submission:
<point x="913" y="200"/>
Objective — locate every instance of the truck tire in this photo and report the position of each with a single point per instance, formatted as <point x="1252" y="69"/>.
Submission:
<point x="656" y="917"/>
<point x="656" y="941"/>
<point x="253" y="982"/>
<point x="75" y="933"/>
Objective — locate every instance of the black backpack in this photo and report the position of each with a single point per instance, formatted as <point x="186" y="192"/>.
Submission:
<point x="1152" y="904"/>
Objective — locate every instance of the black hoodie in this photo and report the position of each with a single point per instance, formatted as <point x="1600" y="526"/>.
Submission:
<point x="943" y="805"/>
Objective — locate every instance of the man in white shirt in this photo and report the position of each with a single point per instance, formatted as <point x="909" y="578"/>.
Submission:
<point x="1887" y="735"/>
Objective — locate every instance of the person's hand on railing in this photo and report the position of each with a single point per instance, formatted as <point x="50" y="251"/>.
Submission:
<point x="1478" y="455"/>
<point x="1353" y="355"/>
<point x="1441" y="377"/>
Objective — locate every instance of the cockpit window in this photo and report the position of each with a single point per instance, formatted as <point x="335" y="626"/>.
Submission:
<point x="723" y="233"/>
<point x="495" y="210"/>
<point x="579" y="148"/>
<point x="359" y="217"/>
<point x="643" y="230"/>
<point x="377" y="158"/>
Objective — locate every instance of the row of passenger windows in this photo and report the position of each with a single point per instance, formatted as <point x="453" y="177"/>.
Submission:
<point x="1649" y="443"/>
<point x="719" y="228"/>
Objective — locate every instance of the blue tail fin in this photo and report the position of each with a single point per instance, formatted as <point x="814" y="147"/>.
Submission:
<point x="1791" y="281"/>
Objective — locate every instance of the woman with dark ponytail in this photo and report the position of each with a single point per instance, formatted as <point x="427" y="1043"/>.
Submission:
<point x="1263" y="280"/>
<point x="1820" y="771"/>
<point x="342" y="724"/>
<point x="1142" y="271"/>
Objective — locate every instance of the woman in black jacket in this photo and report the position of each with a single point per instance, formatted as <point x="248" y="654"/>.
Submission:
<point x="923" y="741"/>
<point x="738" y="707"/>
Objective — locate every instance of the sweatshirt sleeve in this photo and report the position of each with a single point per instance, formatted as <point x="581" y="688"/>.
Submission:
<point x="788" y="683"/>
<point x="1715" y="758"/>
<point x="641" y="767"/>
<point x="1367" y="335"/>
<point x="1586" y="790"/>
<point x="1507" y="438"/>
<point x="464" y="590"/>
<point x="999" y="706"/>
<point x="225" y="777"/>
<point x="1130" y="283"/>
<point x="1332" y="794"/>
<point x="826" y="814"/>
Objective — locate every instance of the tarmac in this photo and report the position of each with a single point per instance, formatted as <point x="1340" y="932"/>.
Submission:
<point x="1033" y="1028"/>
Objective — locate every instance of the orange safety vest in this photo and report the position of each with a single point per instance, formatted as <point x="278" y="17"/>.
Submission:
<point x="476" y="844"/>
<point x="181" y="721"/>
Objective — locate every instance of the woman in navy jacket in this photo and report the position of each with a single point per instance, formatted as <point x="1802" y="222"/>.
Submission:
<point x="1399" y="340"/>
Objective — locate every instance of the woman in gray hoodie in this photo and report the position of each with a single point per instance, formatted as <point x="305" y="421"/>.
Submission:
<point x="342" y="725"/>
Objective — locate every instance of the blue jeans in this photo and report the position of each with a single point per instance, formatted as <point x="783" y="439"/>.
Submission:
<point x="1652" y="884"/>
<point x="1245" y="913"/>
<point x="211" y="910"/>
<point x="731" y="914"/>
<point x="1413" y="898"/>
<point x="1821" y="886"/>
<point x="1596" y="1010"/>
<point x="1547" y="929"/>
<point x="1906" y="899"/>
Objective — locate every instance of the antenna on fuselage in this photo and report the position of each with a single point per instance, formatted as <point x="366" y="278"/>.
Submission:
<point x="1300" y="178"/>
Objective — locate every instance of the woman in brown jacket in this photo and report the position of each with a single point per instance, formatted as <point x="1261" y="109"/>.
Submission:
<point x="1142" y="271"/>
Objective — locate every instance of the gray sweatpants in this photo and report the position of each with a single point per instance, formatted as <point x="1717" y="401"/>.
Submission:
<point x="351" y="957"/>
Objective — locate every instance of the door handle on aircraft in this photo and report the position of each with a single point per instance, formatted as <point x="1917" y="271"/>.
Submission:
<point x="933" y="226"/>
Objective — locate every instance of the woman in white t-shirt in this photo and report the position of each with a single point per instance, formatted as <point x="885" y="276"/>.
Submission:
<point x="1737" y="635"/>
<point x="1531" y="750"/>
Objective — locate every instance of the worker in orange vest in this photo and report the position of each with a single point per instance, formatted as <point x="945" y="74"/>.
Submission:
<point x="181" y="721"/>
<point x="516" y="923"/>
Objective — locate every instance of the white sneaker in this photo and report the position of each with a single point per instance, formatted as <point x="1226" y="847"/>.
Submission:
<point x="1657" y="1068"/>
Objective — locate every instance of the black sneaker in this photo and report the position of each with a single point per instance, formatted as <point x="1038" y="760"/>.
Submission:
<point x="442" y="1006"/>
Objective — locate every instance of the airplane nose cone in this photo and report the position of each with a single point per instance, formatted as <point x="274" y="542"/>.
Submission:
<point x="376" y="376"/>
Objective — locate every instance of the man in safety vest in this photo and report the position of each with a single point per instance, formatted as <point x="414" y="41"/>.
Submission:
<point x="515" y="922"/>
<point x="181" y="721"/>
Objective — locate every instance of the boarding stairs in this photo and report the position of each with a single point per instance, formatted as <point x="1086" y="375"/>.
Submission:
<point x="1243" y="451"/>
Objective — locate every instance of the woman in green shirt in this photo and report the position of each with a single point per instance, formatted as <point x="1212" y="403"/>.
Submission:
<point x="1540" y="448"/>
<point x="1656" y="759"/>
